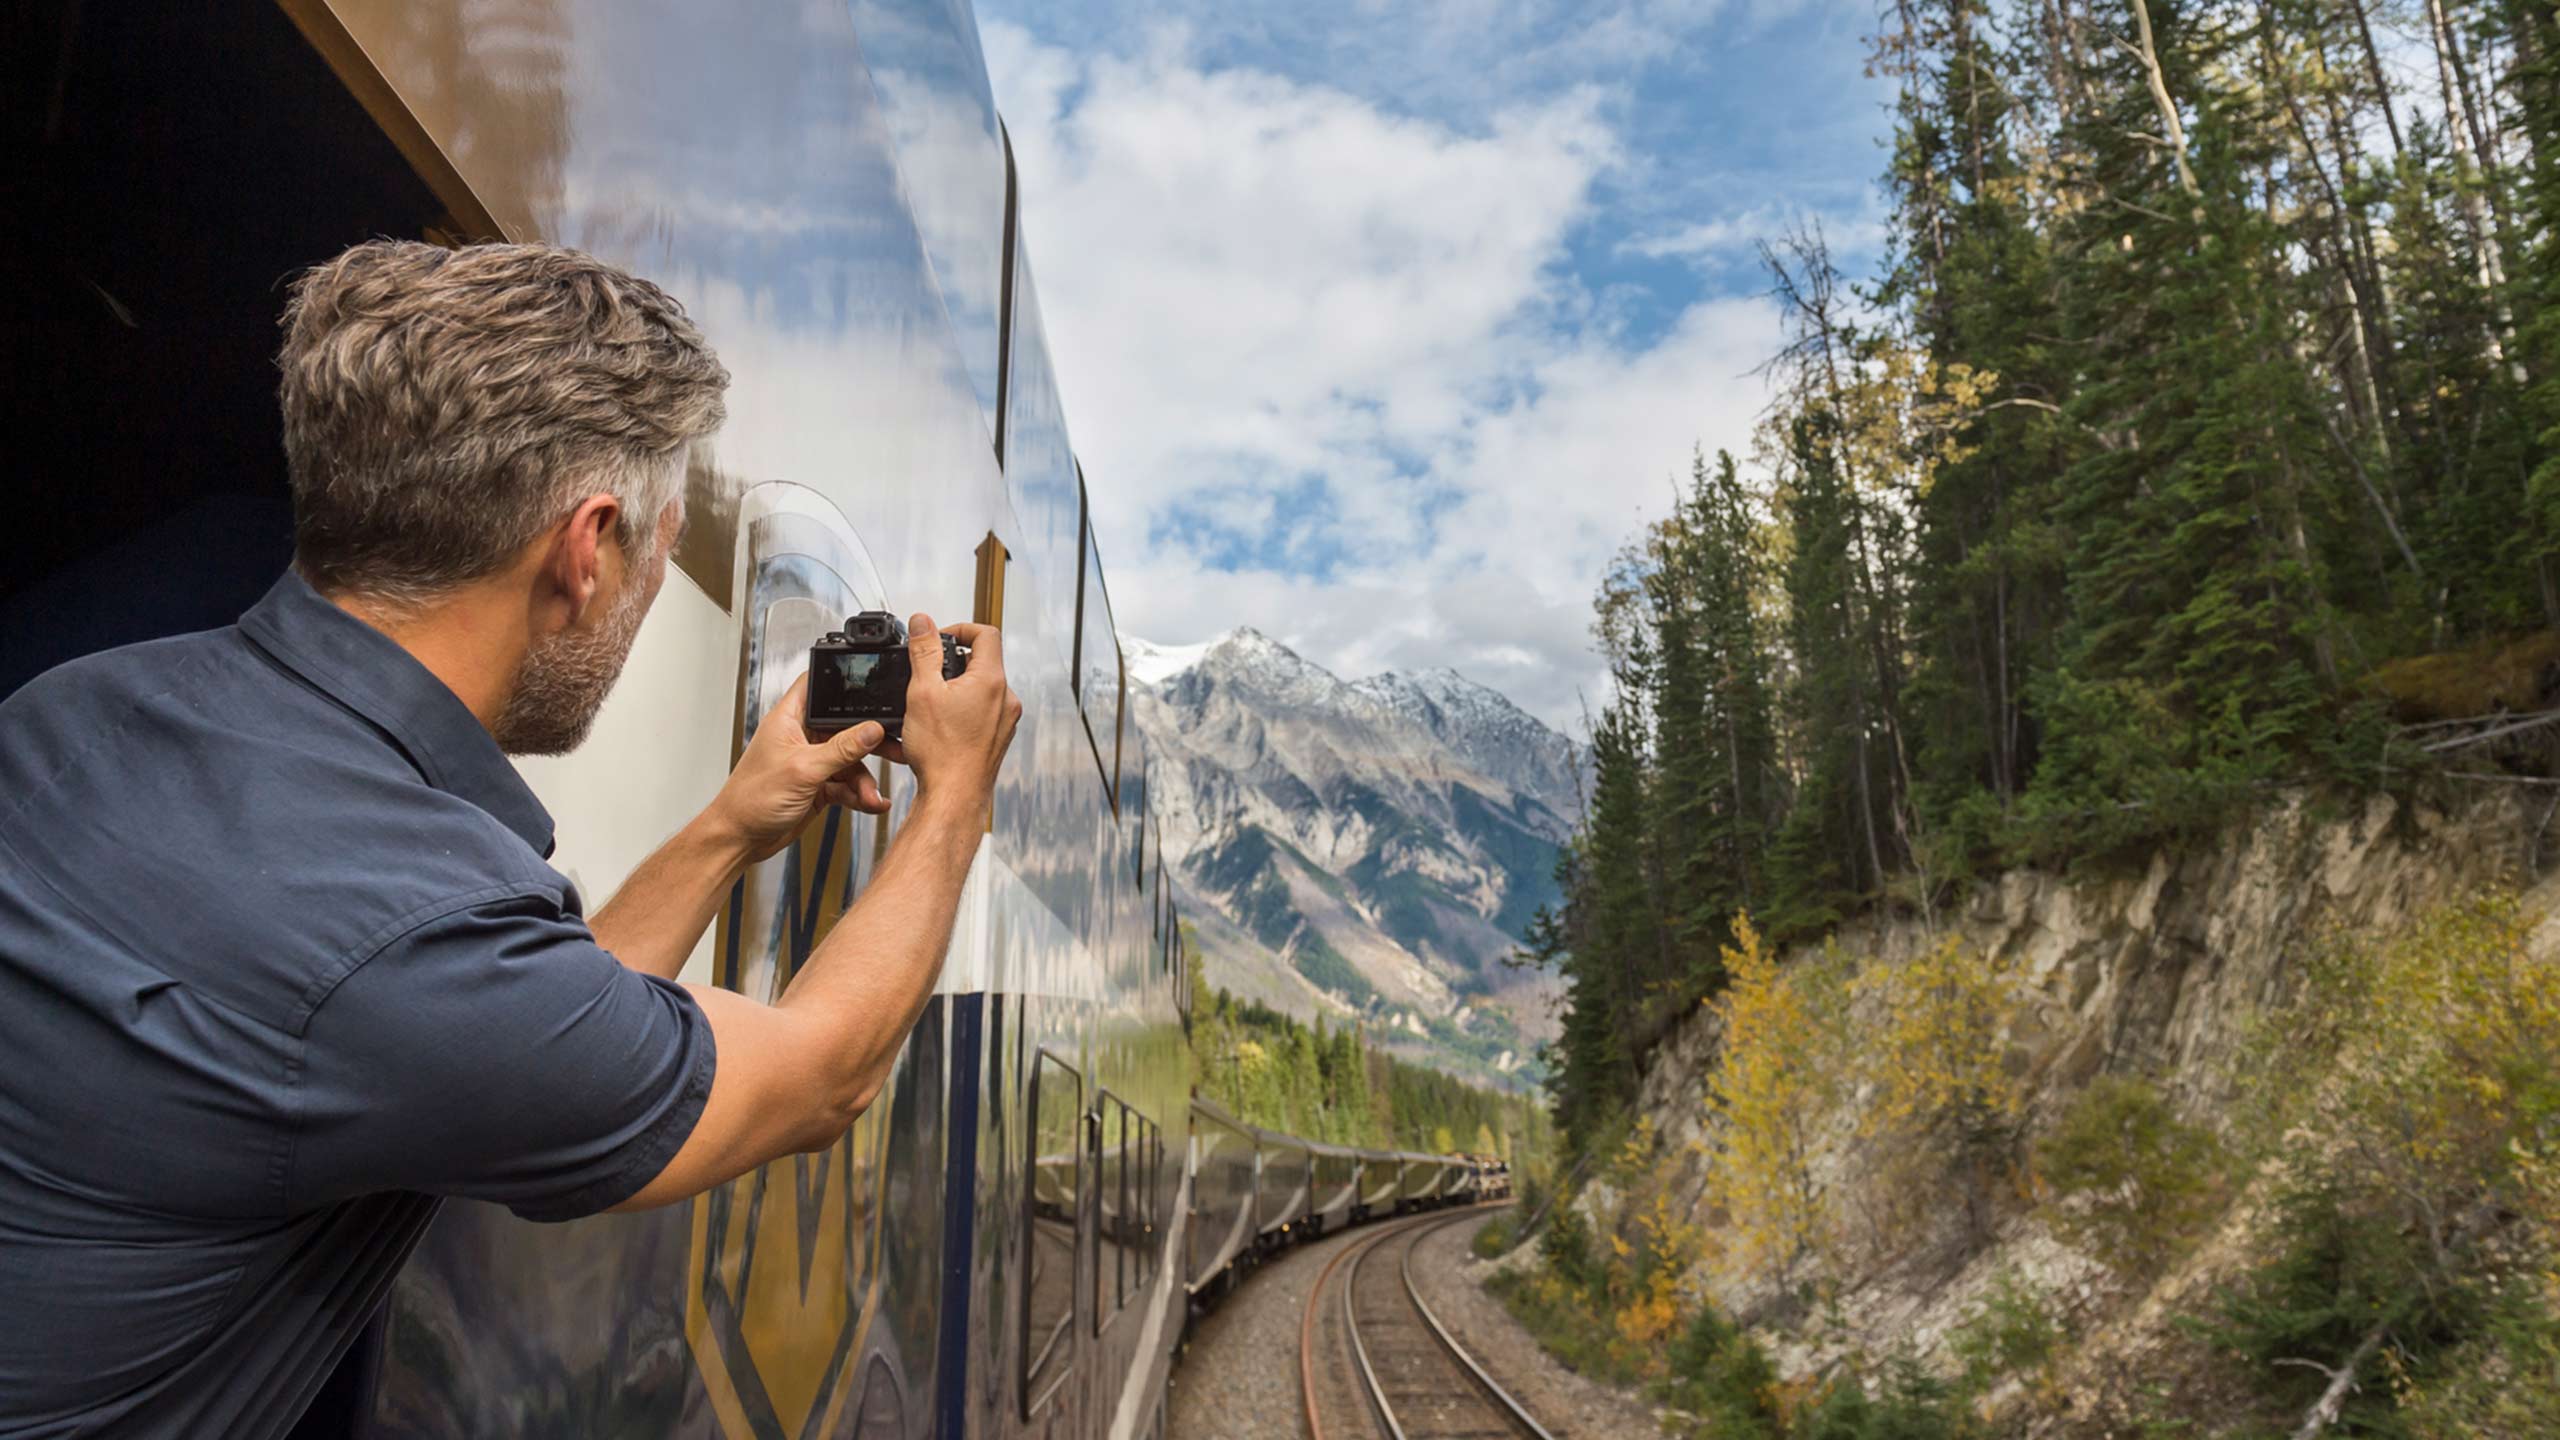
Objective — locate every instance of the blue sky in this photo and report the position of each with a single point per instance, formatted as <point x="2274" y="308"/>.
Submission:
<point x="1382" y="327"/>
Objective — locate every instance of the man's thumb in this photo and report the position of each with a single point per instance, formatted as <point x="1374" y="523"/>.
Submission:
<point x="851" y="747"/>
<point x="924" y="644"/>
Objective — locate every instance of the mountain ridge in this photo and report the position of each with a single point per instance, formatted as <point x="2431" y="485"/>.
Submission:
<point x="1368" y="850"/>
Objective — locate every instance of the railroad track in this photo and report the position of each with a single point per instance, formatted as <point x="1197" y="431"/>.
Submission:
<point x="1375" y="1362"/>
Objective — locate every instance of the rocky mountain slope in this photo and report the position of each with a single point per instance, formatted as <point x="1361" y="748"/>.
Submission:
<point x="2184" y="977"/>
<point x="1368" y="848"/>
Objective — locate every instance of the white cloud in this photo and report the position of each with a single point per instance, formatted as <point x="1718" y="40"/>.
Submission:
<point x="1256" y="288"/>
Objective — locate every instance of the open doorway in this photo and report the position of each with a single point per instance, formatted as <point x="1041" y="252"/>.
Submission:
<point x="170" y="167"/>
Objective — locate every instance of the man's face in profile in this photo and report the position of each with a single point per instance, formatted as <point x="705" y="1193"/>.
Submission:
<point x="566" y="676"/>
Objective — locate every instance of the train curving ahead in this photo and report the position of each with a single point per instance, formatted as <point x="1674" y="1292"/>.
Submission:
<point x="1254" y="1191"/>
<point x="1008" y="1242"/>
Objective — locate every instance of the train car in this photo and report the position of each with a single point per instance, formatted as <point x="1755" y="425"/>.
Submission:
<point x="1462" y="1179"/>
<point x="1222" y="1197"/>
<point x="829" y="190"/>
<point x="1380" y="1173"/>
<point x="1288" y="1171"/>
<point x="1334" y="1186"/>
<point x="1419" y="1187"/>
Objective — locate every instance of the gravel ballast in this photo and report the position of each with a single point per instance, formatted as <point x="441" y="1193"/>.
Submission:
<point x="1238" y="1377"/>
<point x="1451" y="1280"/>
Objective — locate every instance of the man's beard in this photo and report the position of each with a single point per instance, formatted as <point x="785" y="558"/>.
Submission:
<point x="564" y="679"/>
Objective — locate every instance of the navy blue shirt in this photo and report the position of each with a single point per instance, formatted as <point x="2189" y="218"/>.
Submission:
<point x="281" y="964"/>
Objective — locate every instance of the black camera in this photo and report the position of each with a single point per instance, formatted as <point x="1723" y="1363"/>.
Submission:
<point x="860" y="673"/>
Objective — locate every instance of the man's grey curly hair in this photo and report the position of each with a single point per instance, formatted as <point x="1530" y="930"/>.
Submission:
<point x="444" y="407"/>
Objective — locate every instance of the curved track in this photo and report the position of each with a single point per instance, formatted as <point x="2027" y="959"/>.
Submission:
<point x="1377" y="1362"/>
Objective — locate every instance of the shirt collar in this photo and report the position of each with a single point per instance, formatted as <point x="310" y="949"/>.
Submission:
<point x="366" y="671"/>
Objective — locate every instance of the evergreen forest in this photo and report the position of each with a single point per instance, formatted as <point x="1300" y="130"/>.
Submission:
<point x="2196" y="437"/>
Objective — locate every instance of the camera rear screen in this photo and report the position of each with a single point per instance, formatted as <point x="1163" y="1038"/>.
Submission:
<point x="859" y="675"/>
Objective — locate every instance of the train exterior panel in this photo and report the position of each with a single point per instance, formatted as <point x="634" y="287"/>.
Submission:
<point x="1381" y="1177"/>
<point x="1222" y="1200"/>
<point x="1334" y="1185"/>
<point x="1421" y="1183"/>
<point x="1286" y="1175"/>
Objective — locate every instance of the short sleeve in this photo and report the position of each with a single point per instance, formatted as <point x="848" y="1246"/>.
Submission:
<point x="498" y="1053"/>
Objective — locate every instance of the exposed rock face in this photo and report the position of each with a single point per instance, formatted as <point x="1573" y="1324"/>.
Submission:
<point x="1373" y="846"/>
<point x="2161" y="974"/>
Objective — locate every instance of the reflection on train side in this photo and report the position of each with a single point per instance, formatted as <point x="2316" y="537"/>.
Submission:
<point x="784" y="1260"/>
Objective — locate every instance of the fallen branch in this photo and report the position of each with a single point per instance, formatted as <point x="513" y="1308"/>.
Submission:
<point x="2342" y="1383"/>
<point x="2534" y="721"/>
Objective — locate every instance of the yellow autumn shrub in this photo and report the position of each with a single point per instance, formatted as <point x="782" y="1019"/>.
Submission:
<point x="1773" y="1083"/>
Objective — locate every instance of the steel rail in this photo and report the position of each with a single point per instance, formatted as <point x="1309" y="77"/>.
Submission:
<point x="1307" y="1325"/>
<point x="1449" y="1342"/>
<point x="1375" y="1389"/>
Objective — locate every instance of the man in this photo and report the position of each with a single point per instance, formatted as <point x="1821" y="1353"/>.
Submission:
<point x="281" y="963"/>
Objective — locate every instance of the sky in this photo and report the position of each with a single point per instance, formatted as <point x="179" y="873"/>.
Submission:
<point x="1382" y="327"/>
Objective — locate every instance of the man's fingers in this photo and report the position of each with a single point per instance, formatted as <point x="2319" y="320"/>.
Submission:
<point x="985" y="643"/>
<point x="860" y="793"/>
<point x="793" y="707"/>
<point x="862" y="785"/>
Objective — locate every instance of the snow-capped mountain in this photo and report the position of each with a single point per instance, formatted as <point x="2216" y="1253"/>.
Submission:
<point x="1372" y="846"/>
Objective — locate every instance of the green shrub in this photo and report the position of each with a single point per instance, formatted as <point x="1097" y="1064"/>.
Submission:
<point x="2133" y="1179"/>
<point x="2012" y="1332"/>
<point x="1568" y="1322"/>
<point x="1723" y="1377"/>
<point x="1493" y="1237"/>
<point x="1907" y="1403"/>
<point x="1565" y="1245"/>
<point x="2506" y="1383"/>
<point x="2342" y="1270"/>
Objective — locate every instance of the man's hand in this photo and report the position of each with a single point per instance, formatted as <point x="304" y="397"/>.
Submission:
<point x="957" y="731"/>
<point x="785" y="776"/>
<point x="793" y="1074"/>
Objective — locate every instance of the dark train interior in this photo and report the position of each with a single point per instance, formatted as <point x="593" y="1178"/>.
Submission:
<point x="169" y="169"/>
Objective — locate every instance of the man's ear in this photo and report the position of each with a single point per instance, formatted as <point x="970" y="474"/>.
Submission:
<point x="586" y="555"/>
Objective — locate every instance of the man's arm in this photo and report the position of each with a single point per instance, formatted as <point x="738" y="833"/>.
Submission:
<point x="655" y="919"/>
<point x="793" y="1075"/>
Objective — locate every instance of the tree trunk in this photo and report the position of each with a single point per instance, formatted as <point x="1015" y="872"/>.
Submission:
<point x="2177" y="130"/>
<point x="2459" y="128"/>
<point x="2373" y="68"/>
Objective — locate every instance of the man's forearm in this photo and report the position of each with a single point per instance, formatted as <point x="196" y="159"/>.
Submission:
<point x="655" y="919"/>
<point x="868" y="980"/>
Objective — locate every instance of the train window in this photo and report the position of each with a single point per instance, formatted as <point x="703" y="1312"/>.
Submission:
<point x="1112" y="1184"/>
<point x="1050" y="1228"/>
<point x="1100" y="678"/>
<point x="1039" y="465"/>
<point x="1128" y="1216"/>
<point x="1147" y="1255"/>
